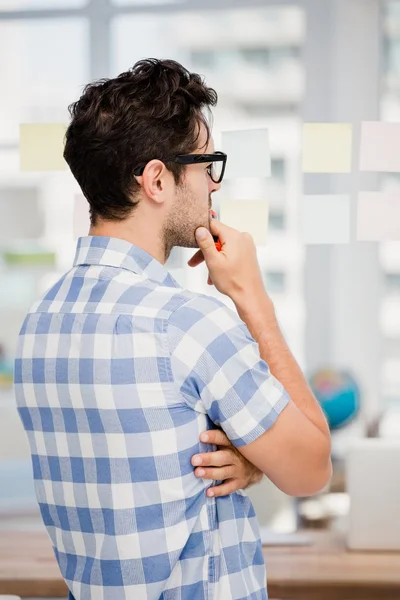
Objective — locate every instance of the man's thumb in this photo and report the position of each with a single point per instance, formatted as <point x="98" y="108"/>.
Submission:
<point x="206" y="243"/>
<point x="202" y="236"/>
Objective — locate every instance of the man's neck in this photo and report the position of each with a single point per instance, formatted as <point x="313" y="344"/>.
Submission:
<point x="145" y="240"/>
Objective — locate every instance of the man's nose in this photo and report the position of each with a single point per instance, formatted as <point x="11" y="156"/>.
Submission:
<point x="214" y="187"/>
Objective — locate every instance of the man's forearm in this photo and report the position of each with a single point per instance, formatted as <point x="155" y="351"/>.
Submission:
<point x="259" y="316"/>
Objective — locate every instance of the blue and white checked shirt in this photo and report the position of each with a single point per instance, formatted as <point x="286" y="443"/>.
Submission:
<point x="118" y="371"/>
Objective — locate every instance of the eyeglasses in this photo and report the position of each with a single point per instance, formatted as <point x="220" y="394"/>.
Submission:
<point x="216" y="168"/>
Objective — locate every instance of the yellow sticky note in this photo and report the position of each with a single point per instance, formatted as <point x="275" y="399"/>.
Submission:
<point x="327" y="147"/>
<point x="247" y="215"/>
<point x="42" y="147"/>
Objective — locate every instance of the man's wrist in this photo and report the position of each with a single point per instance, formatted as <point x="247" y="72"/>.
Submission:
<point x="258" y="313"/>
<point x="254" y="305"/>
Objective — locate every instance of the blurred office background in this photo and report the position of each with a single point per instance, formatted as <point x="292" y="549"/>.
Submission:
<point x="273" y="64"/>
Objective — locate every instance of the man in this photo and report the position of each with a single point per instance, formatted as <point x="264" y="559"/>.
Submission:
<point x="123" y="378"/>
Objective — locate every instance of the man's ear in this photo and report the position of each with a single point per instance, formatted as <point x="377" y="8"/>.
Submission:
<point x="154" y="180"/>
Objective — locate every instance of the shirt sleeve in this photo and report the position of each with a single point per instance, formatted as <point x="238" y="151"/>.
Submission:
<point x="217" y="367"/>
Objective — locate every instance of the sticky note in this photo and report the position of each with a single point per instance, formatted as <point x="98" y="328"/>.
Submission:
<point x="325" y="219"/>
<point x="248" y="153"/>
<point x="390" y="318"/>
<point x="42" y="146"/>
<point x="81" y="217"/>
<point x="378" y="216"/>
<point x="246" y="215"/>
<point x="380" y="147"/>
<point x="327" y="147"/>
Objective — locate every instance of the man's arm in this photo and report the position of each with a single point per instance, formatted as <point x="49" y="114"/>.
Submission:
<point x="295" y="453"/>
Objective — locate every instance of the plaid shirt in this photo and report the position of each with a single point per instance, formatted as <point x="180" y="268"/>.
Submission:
<point x="118" y="371"/>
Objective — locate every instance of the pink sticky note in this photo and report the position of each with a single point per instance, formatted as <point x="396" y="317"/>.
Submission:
<point x="378" y="216"/>
<point x="380" y="147"/>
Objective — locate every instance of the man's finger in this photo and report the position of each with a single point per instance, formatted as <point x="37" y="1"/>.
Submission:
<point x="196" y="259"/>
<point x="215" y="436"/>
<point x="214" y="459"/>
<point x="216" y="474"/>
<point x="226" y="488"/>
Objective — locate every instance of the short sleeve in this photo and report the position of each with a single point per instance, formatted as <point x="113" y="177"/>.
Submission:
<point x="217" y="367"/>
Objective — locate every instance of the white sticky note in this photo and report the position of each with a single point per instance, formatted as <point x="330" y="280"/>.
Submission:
<point x="327" y="147"/>
<point x="42" y="147"/>
<point x="247" y="215"/>
<point x="378" y="216"/>
<point x="325" y="219"/>
<point x="380" y="147"/>
<point x="81" y="224"/>
<point x="248" y="153"/>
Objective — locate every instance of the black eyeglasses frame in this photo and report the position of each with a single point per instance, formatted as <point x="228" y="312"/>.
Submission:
<point x="194" y="159"/>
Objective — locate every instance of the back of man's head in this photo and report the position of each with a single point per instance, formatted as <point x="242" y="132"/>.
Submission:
<point x="151" y="111"/>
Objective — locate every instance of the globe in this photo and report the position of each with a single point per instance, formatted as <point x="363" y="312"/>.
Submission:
<point x="338" y="394"/>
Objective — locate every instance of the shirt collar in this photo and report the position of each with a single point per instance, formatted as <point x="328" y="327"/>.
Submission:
<point x="114" y="252"/>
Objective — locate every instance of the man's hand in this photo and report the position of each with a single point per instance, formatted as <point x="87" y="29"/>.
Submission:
<point x="227" y="465"/>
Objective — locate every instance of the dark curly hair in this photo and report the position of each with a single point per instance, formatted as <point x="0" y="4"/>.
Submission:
<point x="151" y="111"/>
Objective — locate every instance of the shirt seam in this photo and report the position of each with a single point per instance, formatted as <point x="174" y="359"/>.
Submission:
<point x="210" y="502"/>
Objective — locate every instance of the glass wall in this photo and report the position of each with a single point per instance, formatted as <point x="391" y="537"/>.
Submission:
<point x="253" y="58"/>
<point x="44" y="62"/>
<point x="271" y="65"/>
<point x="390" y="251"/>
<point x="48" y="51"/>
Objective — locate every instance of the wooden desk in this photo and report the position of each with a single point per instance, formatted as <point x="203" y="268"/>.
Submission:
<point x="327" y="571"/>
<point x="324" y="571"/>
<point x="28" y="567"/>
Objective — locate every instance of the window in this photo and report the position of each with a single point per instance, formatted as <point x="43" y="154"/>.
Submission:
<point x="275" y="282"/>
<point x="391" y="61"/>
<point x="44" y="64"/>
<point x="271" y="57"/>
<point x="38" y="84"/>
<point x="203" y="59"/>
<point x="258" y="47"/>
<point x="143" y="2"/>
<point x="278" y="168"/>
<point x="233" y="34"/>
<point x="276" y="220"/>
<point x="7" y="5"/>
<point x="252" y="57"/>
<point x="392" y="283"/>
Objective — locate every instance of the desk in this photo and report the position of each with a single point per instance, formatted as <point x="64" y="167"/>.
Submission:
<point x="324" y="571"/>
<point x="327" y="571"/>
<point x="28" y="567"/>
